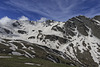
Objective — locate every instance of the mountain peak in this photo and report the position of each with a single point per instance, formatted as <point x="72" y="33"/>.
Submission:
<point x="77" y="39"/>
<point x="97" y="17"/>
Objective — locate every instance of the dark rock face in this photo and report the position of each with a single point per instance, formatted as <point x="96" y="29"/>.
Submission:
<point x="5" y="30"/>
<point x="49" y="21"/>
<point x="82" y="24"/>
<point x="54" y="38"/>
<point x="86" y="59"/>
<point x="92" y="25"/>
<point x="31" y="37"/>
<point x="97" y="17"/>
<point x="73" y="23"/>
<point x="39" y="31"/>
<point x="22" y="32"/>
<point x="8" y="31"/>
<point x="16" y="24"/>
<point x="57" y="28"/>
<point x="5" y="49"/>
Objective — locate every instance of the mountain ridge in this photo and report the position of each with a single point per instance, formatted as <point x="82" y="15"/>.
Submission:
<point x="78" y="38"/>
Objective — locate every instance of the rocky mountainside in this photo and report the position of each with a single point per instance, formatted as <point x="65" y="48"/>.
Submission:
<point x="75" y="42"/>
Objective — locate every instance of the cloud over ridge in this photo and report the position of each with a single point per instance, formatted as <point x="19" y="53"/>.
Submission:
<point x="23" y="18"/>
<point x="5" y="20"/>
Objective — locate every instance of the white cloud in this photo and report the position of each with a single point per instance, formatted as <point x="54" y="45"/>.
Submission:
<point x="23" y="18"/>
<point x="5" y="20"/>
<point x="42" y="19"/>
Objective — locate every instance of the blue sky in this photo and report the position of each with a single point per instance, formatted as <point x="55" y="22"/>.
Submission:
<point x="60" y="10"/>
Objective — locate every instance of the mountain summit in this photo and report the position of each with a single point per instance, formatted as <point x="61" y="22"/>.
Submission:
<point x="76" y="41"/>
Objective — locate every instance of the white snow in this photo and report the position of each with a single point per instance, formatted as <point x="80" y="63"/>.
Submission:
<point x="47" y="30"/>
<point x="5" y="57"/>
<point x="13" y="47"/>
<point x="98" y="22"/>
<point x="16" y="53"/>
<point x="33" y="64"/>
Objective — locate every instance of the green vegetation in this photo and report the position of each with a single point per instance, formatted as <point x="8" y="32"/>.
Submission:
<point x="19" y="61"/>
<point x="41" y="53"/>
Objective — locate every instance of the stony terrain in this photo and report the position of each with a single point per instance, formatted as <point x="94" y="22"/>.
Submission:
<point x="75" y="42"/>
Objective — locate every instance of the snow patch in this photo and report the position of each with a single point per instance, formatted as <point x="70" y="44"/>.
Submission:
<point x="33" y="64"/>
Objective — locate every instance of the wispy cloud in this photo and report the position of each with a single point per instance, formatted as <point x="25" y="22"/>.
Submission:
<point x="57" y="9"/>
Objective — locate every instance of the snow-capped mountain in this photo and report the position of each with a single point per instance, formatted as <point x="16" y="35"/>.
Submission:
<point x="77" y="39"/>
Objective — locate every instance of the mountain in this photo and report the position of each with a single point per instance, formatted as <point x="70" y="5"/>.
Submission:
<point x="74" y="43"/>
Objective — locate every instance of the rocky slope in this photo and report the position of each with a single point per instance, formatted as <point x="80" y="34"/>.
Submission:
<point x="76" y="40"/>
